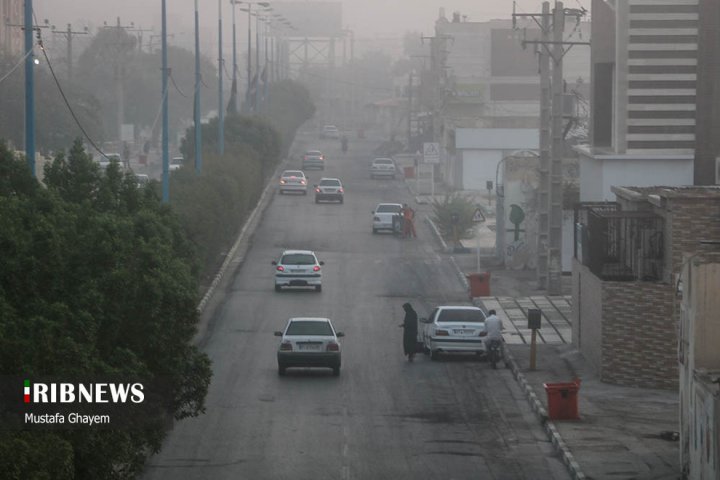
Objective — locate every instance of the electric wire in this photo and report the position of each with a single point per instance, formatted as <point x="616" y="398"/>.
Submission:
<point x="172" y="80"/>
<point x="17" y="65"/>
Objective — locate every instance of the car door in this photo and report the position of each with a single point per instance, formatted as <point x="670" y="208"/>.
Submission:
<point x="426" y="326"/>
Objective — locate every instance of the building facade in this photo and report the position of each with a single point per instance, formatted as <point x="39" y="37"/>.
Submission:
<point x="11" y="34"/>
<point x="644" y="93"/>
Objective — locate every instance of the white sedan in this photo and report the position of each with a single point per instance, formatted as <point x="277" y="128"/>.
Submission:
<point x="293" y="181"/>
<point x="383" y="216"/>
<point x="453" y="328"/>
<point x="382" y="167"/>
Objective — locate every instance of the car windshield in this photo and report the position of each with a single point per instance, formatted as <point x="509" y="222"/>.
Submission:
<point x="462" y="316"/>
<point x="388" y="209"/>
<point x="298" y="259"/>
<point x="329" y="183"/>
<point x="177" y="161"/>
<point x="309" y="327"/>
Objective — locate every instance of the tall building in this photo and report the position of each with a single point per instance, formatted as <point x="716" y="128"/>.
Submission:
<point x="644" y="73"/>
<point x="707" y="149"/>
<point x="11" y="35"/>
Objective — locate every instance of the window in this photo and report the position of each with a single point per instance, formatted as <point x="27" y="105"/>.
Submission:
<point x="309" y="327"/>
<point x="461" y="316"/>
<point x="298" y="259"/>
<point x="389" y="209"/>
<point x="329" y="183"/>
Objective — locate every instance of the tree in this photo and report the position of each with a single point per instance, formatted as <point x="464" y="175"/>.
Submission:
<point x="454" y="215"/>
<point x="97" y="277"/>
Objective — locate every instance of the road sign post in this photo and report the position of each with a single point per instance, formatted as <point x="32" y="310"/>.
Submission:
<point x="534" y="319"/>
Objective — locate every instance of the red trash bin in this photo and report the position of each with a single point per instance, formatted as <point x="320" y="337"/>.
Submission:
<point x="562" y="400"/>
<point x="409" y="171"/>
<point x="479" y="284"/>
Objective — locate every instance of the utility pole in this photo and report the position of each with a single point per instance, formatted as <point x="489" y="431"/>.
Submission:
<point x="69" y="33"/>
<point x="552" y="141"/>
<point x="409" y="119"/>
<point x="119" y="72"/>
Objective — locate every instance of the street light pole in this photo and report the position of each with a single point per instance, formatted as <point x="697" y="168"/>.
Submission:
<point x="196" y="112"/>
<point x="165" y="154"/>
<point x="221" y="113"/>
<point x="234" y="50"/>
<point x="29" y="89"/>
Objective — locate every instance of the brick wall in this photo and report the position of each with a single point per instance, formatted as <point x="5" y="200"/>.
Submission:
<point x="639" y="335"/>
<point x="692" y="219"/>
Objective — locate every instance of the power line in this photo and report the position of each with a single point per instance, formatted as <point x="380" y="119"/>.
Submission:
<point x="17" y="65"/>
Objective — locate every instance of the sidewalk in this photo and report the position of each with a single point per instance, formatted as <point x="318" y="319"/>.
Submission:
<point x="622" y="432"/>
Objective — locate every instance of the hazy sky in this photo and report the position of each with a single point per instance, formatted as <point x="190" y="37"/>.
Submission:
<point x="368" y="18"/>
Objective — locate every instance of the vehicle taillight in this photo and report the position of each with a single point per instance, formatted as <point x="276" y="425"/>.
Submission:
<point x="316" y="268"/>
<point x="317" y="190"/>
<point x="280" y="268"/>
<point x="286" y="347"/>
<point x="322" y="157"/>
<point x="305" y="157"/>
<point x="377" y="219"/>
<point x="441" y="333"/>
<point x="333" y="347"/>
<point x="302" y="182"/>
<point x="341" y="190"/>
<point x="282" y="182"/>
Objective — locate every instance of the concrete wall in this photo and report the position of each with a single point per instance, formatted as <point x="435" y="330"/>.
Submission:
<point x="479" y="167"/>
<point x="587" y="314"/>
<point x="639" y="335"/>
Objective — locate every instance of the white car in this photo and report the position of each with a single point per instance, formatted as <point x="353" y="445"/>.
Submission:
<point x="453" y="329"/>
<point x="298" y="268"/>
<point x="383" y="216"/>
<point x="309" y="342"/>
<point x="141" y="179"/>
<point x="313" y="159"/>
<point x="176" y="163"/>
<point x="105" y="160"/>
<point x="330" y="131"/>
<point x="382" y="167"/>
<point x="293" y="181"/>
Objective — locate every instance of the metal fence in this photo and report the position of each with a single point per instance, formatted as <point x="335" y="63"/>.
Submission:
<point x="620" y="245"/>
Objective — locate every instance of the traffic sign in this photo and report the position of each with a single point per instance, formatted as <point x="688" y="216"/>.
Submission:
<point x="478" y="216"/>
<point x="431" y="152"/>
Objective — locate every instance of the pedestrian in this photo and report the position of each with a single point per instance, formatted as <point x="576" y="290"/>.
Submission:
<point x="493" y="331"/>
<point x="410" y="324"/>
<point x="408" y="215"/>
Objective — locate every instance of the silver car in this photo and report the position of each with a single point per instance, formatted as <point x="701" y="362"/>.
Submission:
<point x="453" y="328"/>
<point x="309" y="342"/>
<point x="382" y="167"/>
<point x="313" y="159"/>
<point x="329" y="189"/>
<point x="293" y="181"/>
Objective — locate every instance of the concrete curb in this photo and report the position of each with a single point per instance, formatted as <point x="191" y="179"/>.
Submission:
<point x="436" y="232"/>
<point x="550" y="429"/>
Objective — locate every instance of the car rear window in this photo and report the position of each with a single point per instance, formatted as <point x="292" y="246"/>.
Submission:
<point x="330" y="183"/>
<point x="298" y="259"/>
<point x="293" y="173"/>
<point x="463" y="316"/>
<point x="384" y="161"/>
<point x="388" y="209"/>
<point x="309" y="327"/>
<point x="313" y="153"/>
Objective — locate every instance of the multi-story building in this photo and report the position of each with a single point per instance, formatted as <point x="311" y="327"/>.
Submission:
<point x="11" y="35"/>
<point x="707" y="150"/>
<point x="644" y="72"/>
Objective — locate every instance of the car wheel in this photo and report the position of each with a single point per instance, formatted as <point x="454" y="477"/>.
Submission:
<point x="305" y="192"/>
<point x="342" y="200"/>
<point x="434" y="355"/>
<point x="374" y="231"/>
<point x="318" y="288"/>
<point x="281" y="370"/>
<point x="336" y="371"/>
<point x="278" y="288"/>
<point x="282" y="192"/>
<point x="317" y="200"/>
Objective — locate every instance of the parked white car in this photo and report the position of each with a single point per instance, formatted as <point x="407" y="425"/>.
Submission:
<point x="453" y="328"/>
<point x="382" y="167"/>
<point x="330" y="131"/>
<point x="176" y="163"/>
<point x="383" y="216"/>
<point x="309" y="342"/>
<point x="298" y="268"/>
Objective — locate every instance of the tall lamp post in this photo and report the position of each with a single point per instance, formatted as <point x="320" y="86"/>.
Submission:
<point x="221" y="113"/>
<point x="249" y="41"/>
<point x="165" y="154"/>
<point x="234" y="54"/>
<point x="29" y="88"/>
<point x="196" y="111"/>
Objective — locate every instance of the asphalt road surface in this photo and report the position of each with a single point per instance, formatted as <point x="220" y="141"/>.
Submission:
<point x="382" y="418"/>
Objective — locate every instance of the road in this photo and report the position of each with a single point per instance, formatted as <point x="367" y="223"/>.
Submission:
<point x="382" y="418"/>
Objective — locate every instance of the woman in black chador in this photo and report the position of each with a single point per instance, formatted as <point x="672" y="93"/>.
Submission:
<point x="410" y="334"/>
